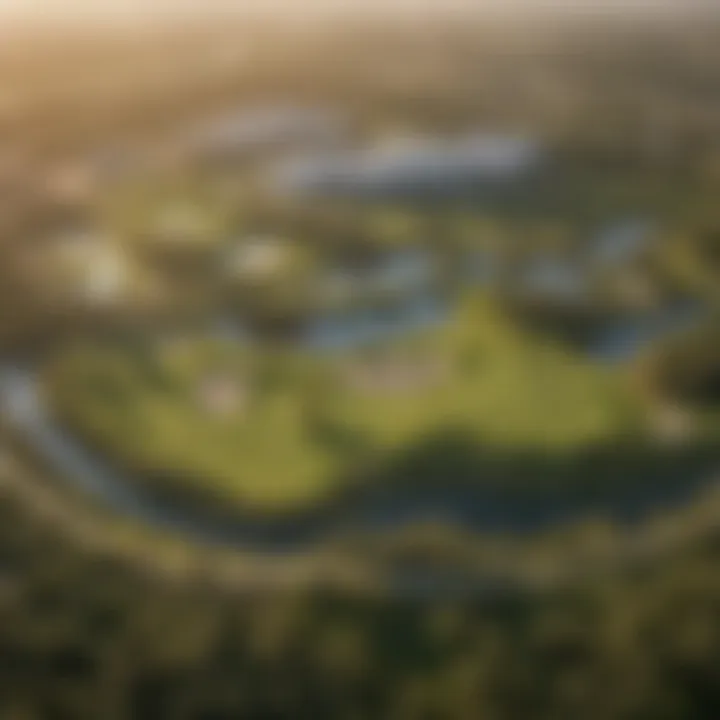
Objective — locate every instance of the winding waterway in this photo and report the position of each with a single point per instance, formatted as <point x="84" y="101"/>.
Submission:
<point x="481" y="507"/>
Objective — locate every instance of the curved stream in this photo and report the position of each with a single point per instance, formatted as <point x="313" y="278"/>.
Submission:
<point x="484" y="508"/>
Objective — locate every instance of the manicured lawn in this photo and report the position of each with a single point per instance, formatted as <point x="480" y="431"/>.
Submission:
<point x="302" y="426"/>
<point x="505" y="389"/>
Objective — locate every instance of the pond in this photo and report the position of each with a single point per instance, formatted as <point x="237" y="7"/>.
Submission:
<point x="367" y="326"/>
<point x="621" y="242"/>
<point x="484" y="508"/>
<point x="408" y="168"/>
<point x="626" y="338"/>
<point x="426" y="166"/>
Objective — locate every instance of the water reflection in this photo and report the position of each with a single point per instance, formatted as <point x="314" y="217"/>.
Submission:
<point x="368" y="326"/>
<point x="621" y="242"/>
<point x="480" y="507"/>
<point x="629" y="336"/>
<point x="403" y="167"/>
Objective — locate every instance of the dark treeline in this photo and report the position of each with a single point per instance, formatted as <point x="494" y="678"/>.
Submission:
<point x="86" y="635"/>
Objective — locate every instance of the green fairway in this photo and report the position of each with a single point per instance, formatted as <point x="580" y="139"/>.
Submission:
<point x="281" y="430"/>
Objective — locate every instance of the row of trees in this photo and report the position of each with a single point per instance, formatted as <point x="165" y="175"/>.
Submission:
<point x="84" y="634"/>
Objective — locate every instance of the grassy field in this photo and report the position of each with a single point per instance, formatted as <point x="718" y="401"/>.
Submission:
<point x="303" y="425"/>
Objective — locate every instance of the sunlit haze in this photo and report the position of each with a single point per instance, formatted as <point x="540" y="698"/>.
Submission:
<point x="46" y="11"/>
<point x="359" y="359"/>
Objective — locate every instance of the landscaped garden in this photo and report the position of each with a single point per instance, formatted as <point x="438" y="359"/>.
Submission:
<point x="285" y="428"/>
<point x="376" y="328"/>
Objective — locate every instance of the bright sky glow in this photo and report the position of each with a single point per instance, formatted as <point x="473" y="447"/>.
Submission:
<point x="53" y="10"/>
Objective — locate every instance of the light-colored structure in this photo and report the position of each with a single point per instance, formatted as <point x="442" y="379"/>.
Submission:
<point x="94" y="265"/>
<point x="257" y="257"/>
<point x="222" y="395"/>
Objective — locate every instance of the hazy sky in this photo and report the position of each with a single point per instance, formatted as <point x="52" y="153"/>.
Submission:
<point x="54" y="9"/>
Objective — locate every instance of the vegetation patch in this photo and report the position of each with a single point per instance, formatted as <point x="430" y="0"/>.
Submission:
<point x="285" y="429"/>
<point x="687" y="370"/>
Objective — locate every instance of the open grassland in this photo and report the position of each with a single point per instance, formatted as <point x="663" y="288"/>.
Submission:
<point x="299" y="426"/>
